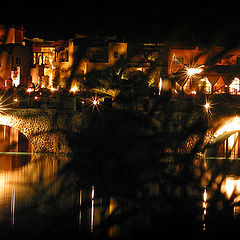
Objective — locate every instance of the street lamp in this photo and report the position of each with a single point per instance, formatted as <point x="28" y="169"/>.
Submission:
<point x="95" y="102"/>
<point x="29" y="90"/>
<point x="207" y="107"/>
<point x="193" y="71"/>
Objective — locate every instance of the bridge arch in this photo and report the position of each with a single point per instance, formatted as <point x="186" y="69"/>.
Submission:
<point x="226" y="128"/>
<point x="230" y="124"/>
<point x="11" y="121"/>
<point x="37" y="127"/>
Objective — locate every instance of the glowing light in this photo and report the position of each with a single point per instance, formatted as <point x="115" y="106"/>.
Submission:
<point x="92" y="209"/>
<point x="15" y="76"/>
<point x="95" y="102"/>
<point x="80" y="205"/>
<point x="74" y="88"/>
<point x="205" y="195"/>
<point x="234" y="87"/>
<point x="207" y="106"/>
<point x="231" y="184"/>
<point x="52" y="89"/>
<point x="190" y="74"/>
<point x="29" y="90"/>
<point x="231" y="125"/>
<point x="159" y="86"/>
<point x="205" y="202"/>
<point x="3" y="102"/>
<point x="13" y="204"/>
<point x="192" y="71"/>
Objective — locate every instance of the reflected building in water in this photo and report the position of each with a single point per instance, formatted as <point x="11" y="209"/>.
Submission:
<point x="23" y="173"/>
<point x="230" y="148"/>
<point x="12" y="141"/>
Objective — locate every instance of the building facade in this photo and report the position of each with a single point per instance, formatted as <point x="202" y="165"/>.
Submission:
<point x="48" y="64"/>
<point x="14" y="58"/>
<point x="220" y="76"/>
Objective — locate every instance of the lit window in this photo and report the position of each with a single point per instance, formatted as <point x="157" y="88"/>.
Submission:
<point x="205" y="85"/>
<point x="234" y="87"/>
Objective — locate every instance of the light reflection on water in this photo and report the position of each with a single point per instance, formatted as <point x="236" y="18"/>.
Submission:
<point x="230" y="149"/>
<point x="23" y="174"/>
<point x="15" y="153"/>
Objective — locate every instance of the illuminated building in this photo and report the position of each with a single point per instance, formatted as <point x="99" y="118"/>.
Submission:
<point x="14" y="58"/>
<point x="219" y="78"/>
<point x="48" y="64"/>
<point x="44" y="58"/>
<point x="100" y="52"/>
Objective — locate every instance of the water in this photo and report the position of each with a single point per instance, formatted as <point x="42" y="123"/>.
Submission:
<point x="230" y="148"/>
<point x="36" y="201"/>
<point x="23" y="175"/>
<point x="15" y="154"/>
<point x="27" y="183"/>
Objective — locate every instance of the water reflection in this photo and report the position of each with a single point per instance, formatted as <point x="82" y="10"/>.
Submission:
<point x="28" y="180"/>
<point x="93" y="208"/>
<point x="15" y="149"/>
<point x="204" y="206"/>
<point x="230" y="148"/>
<point x="15" y="152"/>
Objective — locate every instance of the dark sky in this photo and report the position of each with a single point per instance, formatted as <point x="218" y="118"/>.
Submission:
<point x="174" y="20"/>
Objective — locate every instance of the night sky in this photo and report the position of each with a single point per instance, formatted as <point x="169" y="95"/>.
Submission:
<point x="170" y="20"/>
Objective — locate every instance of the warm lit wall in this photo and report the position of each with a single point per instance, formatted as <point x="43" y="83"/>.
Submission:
<point x="188" y="56"/>
<point x="5" y="68"/>
<point x="63" y="69"/>
<point x="113" y="47"/>
<point x="37" y="127"/>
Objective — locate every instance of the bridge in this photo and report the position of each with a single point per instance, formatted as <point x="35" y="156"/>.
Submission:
<point x="45" y="129"/>
<point x="228" y="128"/>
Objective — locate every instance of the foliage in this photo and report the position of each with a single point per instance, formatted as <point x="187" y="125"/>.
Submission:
<point x="145" y="162"/>
<point x="151" y="164"/>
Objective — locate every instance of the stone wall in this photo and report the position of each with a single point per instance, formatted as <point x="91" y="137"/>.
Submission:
<point x="45" y="130"/>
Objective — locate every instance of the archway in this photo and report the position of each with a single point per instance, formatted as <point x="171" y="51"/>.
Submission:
<point x="223" y="155"/>
<point x="229" y="129"/>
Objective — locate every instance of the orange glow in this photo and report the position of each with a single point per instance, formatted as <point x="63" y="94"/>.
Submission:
<point x="74" y="89"/>
<point x="52" y="89"/>
<point x="234" y="87"/>
<point x="207" y="107"/>
<point x="233" y="124"/>
<point x="192" y="71"/>
<point x="229" y="185"/>
<point x="205" y="205"/>
<point x="95" y="102"/>
<point x="92" y="208"/>
<point x="29" y="90"/>
<point x="159" y="86"/>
